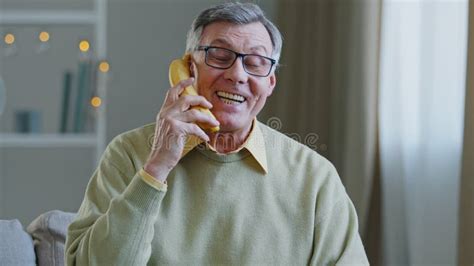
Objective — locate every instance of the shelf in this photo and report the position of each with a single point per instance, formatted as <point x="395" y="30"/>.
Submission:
<point x="19" y="17"/>
<point x="68" y="146"/>
<point x="47" y="140"/>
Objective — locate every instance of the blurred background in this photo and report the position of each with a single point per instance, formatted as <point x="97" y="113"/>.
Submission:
<point x="382" y="88"/>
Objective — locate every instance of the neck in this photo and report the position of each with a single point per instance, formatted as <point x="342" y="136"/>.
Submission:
<point x="225" y="142"/>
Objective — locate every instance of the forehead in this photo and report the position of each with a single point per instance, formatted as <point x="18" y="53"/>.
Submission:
<point x="242" y="38"/>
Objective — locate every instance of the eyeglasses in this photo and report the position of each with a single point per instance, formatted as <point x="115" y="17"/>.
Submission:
<point x="223" y="58"/>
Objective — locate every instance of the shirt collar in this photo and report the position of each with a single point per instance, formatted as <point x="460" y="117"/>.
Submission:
<point x="254" y="143"/>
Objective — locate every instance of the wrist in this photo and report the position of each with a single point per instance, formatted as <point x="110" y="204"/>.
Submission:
<point x="160" y="173"/>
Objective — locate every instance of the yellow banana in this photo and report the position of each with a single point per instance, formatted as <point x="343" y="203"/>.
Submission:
<point x="179" y="70"/>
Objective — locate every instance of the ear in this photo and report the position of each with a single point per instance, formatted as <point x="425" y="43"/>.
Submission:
<point x="192" y="68"/>
<point x="272" y="83"/>
<point x="194" y="73"/>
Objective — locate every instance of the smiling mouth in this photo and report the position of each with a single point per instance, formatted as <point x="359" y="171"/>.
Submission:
<point x="230" y="98"/>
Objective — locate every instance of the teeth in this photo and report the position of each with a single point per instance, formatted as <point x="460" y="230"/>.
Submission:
<point x="229" y="101"/>
<point x="230" y="96"/>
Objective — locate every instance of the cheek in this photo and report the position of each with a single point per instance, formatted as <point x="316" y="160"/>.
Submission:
<point x="205" y="80"/>
<point x="208" y="73"/>
<point x="261" y="90"/>
<point x="260" y="99"/>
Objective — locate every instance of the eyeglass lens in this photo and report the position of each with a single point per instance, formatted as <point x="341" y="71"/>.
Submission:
<point x="223" y="58"/>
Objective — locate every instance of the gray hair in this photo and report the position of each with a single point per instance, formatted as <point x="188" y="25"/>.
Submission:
<point x="237" y="13"/>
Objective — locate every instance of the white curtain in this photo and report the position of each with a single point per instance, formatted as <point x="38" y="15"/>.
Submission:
<point x="422" y="86"/>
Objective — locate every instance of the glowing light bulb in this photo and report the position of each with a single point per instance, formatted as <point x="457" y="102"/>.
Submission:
<point x="44" y="36"/>
<point x="104" y="67"/>
<point x="96" y="101"/>
<point x="9" y="38"/>
<point x="84" y="46"/>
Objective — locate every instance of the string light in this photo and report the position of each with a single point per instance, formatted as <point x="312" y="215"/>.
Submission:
<point x="11" y="48"/>
<point x="9" y="38"/>
<point x="84" y="46"/>
<point x="96" y="101"/>
<point x="44" y="36"/>
<point x="104" y="67"/>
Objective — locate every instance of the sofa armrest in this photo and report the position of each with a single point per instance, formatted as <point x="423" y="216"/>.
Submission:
<point x="49" y="234"/>
<point x="16" y="246"/>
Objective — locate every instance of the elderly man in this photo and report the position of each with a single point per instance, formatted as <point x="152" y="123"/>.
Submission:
<point x="171" y="193"/>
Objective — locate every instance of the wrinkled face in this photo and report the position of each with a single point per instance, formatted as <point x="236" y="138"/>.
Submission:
<point x="237" y="97"/>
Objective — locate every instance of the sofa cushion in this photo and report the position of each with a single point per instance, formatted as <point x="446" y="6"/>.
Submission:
<point x="49" y="233"/>
<point x="16" y="246"/>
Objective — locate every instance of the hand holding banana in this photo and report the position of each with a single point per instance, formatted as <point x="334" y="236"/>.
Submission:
<point x="177" y="119"/>
<point x="179" y="70"/>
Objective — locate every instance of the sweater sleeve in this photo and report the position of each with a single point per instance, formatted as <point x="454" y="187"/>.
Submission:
<point x="115" y="223"/>
<point x="336" y="237"/>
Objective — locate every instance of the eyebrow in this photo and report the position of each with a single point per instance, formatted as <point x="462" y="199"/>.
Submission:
<point x="225" y="42"/>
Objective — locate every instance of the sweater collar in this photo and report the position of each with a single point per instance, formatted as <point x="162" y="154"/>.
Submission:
<point x="254" y="143"/>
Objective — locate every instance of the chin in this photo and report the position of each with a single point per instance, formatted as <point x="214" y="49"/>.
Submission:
<point x="232" y="124"/>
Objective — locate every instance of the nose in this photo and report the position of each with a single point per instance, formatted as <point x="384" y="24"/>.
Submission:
<point x="236" y="73"/>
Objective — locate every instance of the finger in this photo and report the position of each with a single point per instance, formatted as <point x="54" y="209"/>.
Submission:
<point x="188" y="101"/>
<point x="185" y="82"/>
<point x="178" y="89"/>
<point x="196" y="116"/>
<point x="193" y="129"/>
<point x="185" y="103"/>
<point x="172" y="96"/>
<point x="174" y="92"/>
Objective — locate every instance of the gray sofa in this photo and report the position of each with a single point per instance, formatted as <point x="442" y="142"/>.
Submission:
<point x="42" y="243"/>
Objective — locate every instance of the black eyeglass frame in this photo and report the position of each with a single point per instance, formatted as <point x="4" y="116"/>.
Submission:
<point x="237" y="55"/>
